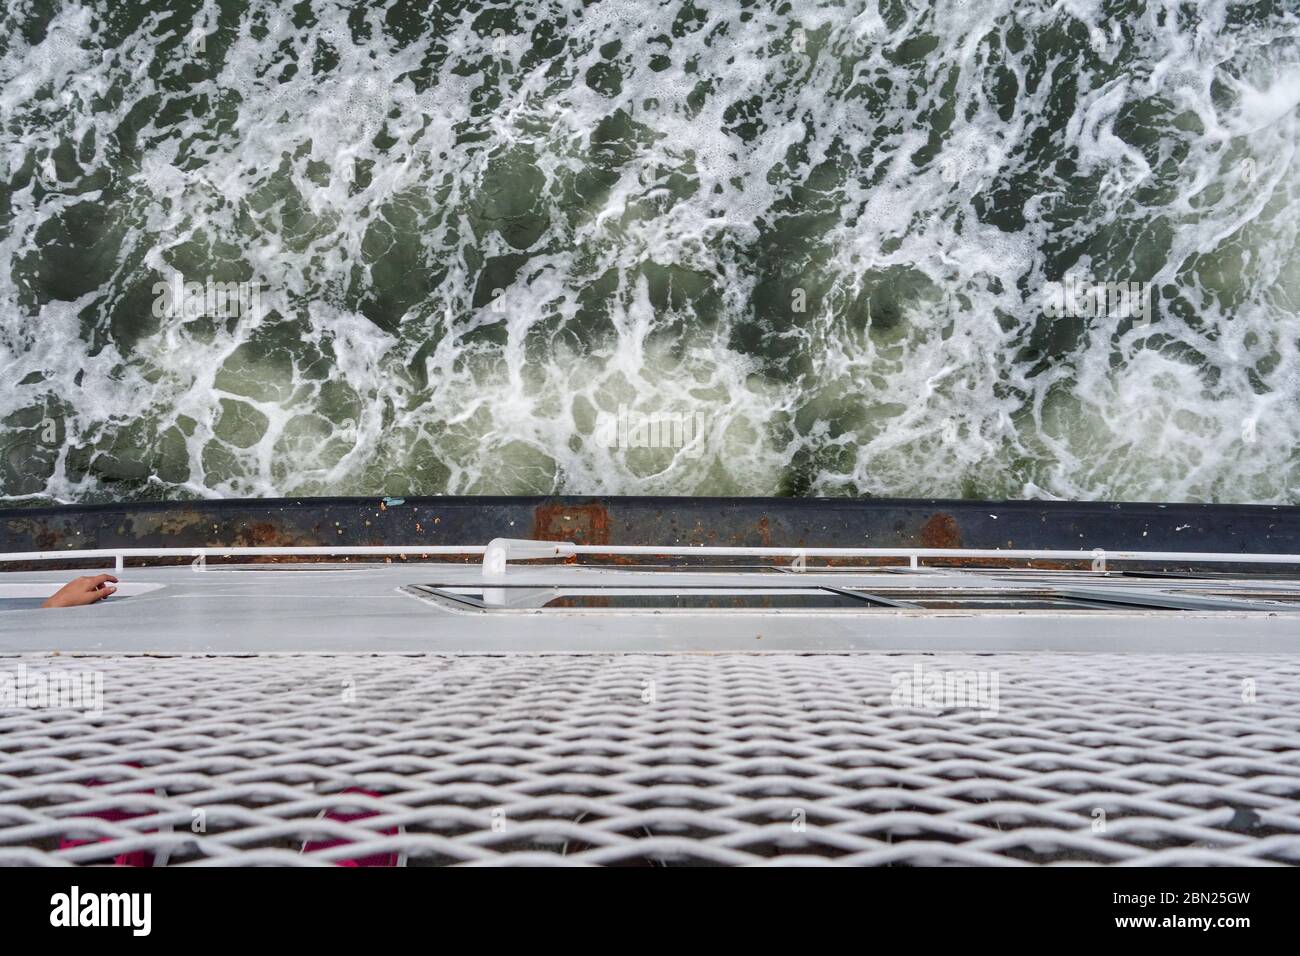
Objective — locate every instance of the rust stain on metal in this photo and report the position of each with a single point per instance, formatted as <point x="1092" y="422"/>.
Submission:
<point x="44" y="535"/>
<point x="996" y="563"/>
<point x="941" y="531"/>
<point x="581" y="524"/>
<point x="265" y="534"/>
<point x="166" y="526"/>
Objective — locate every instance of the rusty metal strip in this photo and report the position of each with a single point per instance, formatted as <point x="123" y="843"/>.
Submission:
<point x="735" y="522"/>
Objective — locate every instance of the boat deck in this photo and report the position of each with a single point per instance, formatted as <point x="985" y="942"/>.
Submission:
<point x="268" y="608"/>
<point x="399" y="712"/>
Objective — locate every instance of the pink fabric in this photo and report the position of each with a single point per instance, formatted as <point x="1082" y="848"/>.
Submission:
<point x="138" y="858"/>
<point x="377" y="859"/>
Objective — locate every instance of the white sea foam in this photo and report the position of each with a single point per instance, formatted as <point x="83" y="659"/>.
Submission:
<point x="919" y="203"/>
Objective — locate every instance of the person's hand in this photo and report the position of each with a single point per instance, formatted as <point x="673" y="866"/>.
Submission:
<point x="81" y="591"/>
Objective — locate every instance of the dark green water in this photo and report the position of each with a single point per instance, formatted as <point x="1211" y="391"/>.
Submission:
<point x="822" y="235"/>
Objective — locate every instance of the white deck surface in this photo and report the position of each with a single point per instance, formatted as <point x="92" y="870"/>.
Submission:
<point x="342" y="608"/>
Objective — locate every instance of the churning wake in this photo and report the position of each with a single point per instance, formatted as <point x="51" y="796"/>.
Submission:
<point x="467" y="244"/>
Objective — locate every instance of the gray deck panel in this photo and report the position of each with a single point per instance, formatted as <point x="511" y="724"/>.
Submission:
<point x="359" y="609"/>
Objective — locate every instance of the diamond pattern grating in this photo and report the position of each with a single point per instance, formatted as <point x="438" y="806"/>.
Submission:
<point x="656" y="760"/>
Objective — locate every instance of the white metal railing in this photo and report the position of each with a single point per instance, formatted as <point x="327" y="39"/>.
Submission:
<point x="200" y="555"/>
<point x="500" y="551"/>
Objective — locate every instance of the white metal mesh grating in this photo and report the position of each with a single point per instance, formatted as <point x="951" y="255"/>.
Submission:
<point x="656" y="759"/>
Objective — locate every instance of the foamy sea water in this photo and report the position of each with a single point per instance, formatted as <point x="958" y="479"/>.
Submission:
<point x="479" y="230"/>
